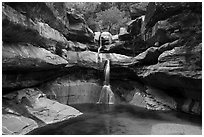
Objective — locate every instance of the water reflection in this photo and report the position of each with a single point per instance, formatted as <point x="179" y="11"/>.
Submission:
<point x="104" y="119"/>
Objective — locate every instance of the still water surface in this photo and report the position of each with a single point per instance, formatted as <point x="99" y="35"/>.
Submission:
<point x="101" y="119"/>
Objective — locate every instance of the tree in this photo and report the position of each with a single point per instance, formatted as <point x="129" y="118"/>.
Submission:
<point x="109" y="15"/>
<point x="111" y="19"/>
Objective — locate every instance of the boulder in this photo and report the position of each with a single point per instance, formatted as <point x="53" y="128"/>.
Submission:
<point x="78" y="29"/>
<point x="27" y="109"/>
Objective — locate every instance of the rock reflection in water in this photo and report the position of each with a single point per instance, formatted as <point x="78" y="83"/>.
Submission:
<point x="104" y="119"/>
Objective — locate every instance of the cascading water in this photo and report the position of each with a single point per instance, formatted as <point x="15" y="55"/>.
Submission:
<point x="106" y="96"/>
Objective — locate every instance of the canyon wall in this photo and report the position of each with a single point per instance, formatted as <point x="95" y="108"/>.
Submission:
<point x="49" y="61"/>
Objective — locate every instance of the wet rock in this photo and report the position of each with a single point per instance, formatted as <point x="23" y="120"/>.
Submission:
<point x="28" y="109"/>
<point x="119" y="47"/>
<point x="139" y="100"/>
<point x="88" y="59"/>
<point x="196" y="107"/>
<point x="74" y="88"/>
<point x="130" y="92"/>
<point x="19" y="57"/>
<point x="158" y="100"/>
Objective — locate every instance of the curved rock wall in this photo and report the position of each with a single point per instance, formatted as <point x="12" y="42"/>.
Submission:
<point x="42" y="48"/>
<point x="178" y="69"/>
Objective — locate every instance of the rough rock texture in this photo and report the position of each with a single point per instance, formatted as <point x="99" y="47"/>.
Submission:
<point x="18" y="80"/>
<point x="31" y="41"/>
<point x="41" y="42"/>
<point x="79" y="31"/>
<point x="19" y="28"/>
<point x="89" y="58"/>
<point x="178" y="73"/>
<point x="121" y="66"/>
<point x="158" y="100"/>
<point x="55" y="14"/>
<point x="157" y="11"/>
<point x="177" y="67"/>
<point x="85" y="59"/>
<point x="25" y="56"/>
<point x="82" y="87"/>
<point x="25" y="65"/>
<point x="27" y="109"/>
<point x="178" y="20"/>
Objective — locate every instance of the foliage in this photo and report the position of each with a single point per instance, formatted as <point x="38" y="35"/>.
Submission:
<point x="111" y="19"/>
<point x="108" y="16"/>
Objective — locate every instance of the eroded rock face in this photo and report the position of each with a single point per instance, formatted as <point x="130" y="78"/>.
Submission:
<point x="25" y="65"/>
<point x="19" y="28"/>
<point x="176" y="67"/>
<point x="27" y="109"/>
<point x="17" y="80"/>
<point x="68" y="91"/>
<point x="178" y="73"/>
<point x="26" y="56"/>
<point x="170" y="21"/>
<point x="172" y="71"/>
<point x="75" y="88"/>
<point x="55" y="14"/>
<point x="157" y="11"/>
<point x="78" y="30"/>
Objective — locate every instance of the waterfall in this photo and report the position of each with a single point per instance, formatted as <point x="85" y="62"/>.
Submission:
<point x="106" y="96"/>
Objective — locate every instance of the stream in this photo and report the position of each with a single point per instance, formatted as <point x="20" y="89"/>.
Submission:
<point x="123" y="119"/>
